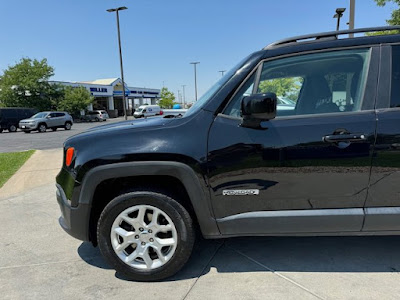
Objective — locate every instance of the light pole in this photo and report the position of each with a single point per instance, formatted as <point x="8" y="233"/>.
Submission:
<point x="352" y="16"/>
<point x="120" y="56"/>
<point x="184" y="99"/>
<point x="222" y="73"/>
<point x="338" y="15"/>
<point x="195" y="77"/>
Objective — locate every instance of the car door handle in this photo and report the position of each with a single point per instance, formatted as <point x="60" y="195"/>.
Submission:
<point x="336" y="138"/>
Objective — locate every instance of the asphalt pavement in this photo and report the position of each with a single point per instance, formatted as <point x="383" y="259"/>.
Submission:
<point x="20" y="141"/>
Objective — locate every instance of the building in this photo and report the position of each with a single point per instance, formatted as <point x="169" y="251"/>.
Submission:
<point x="107" y="95"/>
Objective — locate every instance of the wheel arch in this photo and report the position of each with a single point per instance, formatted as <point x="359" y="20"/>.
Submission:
<point x="198" y="194"/>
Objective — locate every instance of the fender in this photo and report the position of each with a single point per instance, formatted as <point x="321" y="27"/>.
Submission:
<point x="200" y="202"/>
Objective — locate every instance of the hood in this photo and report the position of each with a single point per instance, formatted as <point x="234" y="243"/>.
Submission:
<point x="119" y="127"/>
<point x="29" y="120"/>
<point x="147" y="122"/>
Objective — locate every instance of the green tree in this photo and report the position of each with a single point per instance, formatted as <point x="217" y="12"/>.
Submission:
<point x="394" y="20"/>
<point x="75" y="99"/>
<point x="283" y="87"/>
<point x="25" y="84"/>
<point x="167" y="98"/>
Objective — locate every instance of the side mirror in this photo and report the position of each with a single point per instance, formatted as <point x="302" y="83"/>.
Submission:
<point x="258" y="108"/>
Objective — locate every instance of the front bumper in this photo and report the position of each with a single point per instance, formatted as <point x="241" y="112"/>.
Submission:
<point x="74" y="220"/>
<point x="27" y="126"/>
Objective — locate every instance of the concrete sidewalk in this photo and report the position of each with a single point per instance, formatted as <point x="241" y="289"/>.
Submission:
<point x="40" y="169"/>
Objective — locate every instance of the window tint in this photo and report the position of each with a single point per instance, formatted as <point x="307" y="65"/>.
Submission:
<point x="60" y="114"/>
<point x="395" y="93"/>
<point x="52" y="115"/>
<point x="312" y="84"/>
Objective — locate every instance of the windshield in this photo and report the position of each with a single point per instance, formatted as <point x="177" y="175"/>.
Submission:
<point x="39" y="116"/>
<point x="139" y="110"/>
<point x="207" y="95"/>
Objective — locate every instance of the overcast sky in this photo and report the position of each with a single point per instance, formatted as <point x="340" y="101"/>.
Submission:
<point x="160" y="38"/>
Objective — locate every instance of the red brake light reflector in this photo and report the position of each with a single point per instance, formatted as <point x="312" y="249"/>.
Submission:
<point x="69" y="155"/>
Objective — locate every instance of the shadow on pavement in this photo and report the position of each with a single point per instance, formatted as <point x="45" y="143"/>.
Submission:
<point x="281" y="254"/>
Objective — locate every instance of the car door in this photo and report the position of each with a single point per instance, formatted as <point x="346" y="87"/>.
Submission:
<point x="383" y="202"/>
<point x="60" y="119"/>
<point x="51" y="120"/>
<point x="308" y="169"/>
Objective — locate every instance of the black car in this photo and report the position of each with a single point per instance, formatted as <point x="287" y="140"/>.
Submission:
<point x="10" y="117"/>
<point x="236" y="164"/>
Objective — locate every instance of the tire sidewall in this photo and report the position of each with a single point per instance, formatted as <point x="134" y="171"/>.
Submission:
<point x="178" y="215"/>
<point x="68" y="126"/>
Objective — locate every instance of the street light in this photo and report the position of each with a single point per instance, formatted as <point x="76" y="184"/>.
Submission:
<point x="338" y="15"/>
<point x="184" y="99"/>
<point x="352" y="16"/>
<point x="120" y="56"/>
<point x="222" y="73"/>
<point x="195" y="77"/>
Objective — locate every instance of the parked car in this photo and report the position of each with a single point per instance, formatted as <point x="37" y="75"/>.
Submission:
<point x="96" y="115"/>
<point x="147" y="111"/>
<point x="10" y="117"/>
<point x="47" y="119"/>
<point x="139" y="189"/>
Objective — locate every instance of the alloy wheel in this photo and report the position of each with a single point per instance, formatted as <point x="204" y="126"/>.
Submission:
<point x="144" y="237"/>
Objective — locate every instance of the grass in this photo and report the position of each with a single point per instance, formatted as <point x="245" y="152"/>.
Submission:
<point x="11" y="162"/>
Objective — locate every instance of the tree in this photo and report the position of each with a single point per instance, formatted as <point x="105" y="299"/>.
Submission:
<point x="75" y="99"/>
<point x="283" y="87"/>
<point x="167" y="98"/>
<point x="25" y="84"/>
<point x="394" y="20"/>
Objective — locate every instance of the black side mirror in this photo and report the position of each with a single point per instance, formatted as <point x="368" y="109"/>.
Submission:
<point x="258" y="108"/>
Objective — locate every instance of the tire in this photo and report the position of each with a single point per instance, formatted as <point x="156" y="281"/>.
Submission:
<point x="12" y="128"/>
<point x="68" y="125"/>
<point x="27" y="131"/>
<point x="179" y="235"/>
<point x="54" y="128"/>
<point x="96" y="119"/>
<point x="42" y="128"/>
<point x="1" y="130"/>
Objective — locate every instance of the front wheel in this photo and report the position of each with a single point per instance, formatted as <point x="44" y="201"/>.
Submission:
<point x="68" y="126"/>
<point x="12" y="128"/>
<point x="42" y="128"/>
<point x="145" y="236"/>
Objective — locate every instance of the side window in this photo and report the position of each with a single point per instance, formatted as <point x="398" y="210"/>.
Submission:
<point x="287" y="90"/>
<point x="395" y="92"/>
<point x="233" y="108"/>
<point x="52" y="115"/>
<point x="317" y="83"/>
<point x="328" y="82"/>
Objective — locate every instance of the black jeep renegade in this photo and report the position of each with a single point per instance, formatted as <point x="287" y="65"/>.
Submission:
<point x="320" y="157"/>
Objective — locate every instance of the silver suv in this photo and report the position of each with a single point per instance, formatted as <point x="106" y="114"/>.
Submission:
<point x="47" y="119"/>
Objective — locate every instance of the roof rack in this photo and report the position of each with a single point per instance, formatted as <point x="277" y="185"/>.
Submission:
<point x="332" y="35"/>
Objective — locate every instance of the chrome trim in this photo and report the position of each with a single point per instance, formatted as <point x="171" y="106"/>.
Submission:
<point x="295" y="213"/>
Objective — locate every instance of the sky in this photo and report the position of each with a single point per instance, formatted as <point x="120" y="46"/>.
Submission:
<point x="160" y="38"/>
